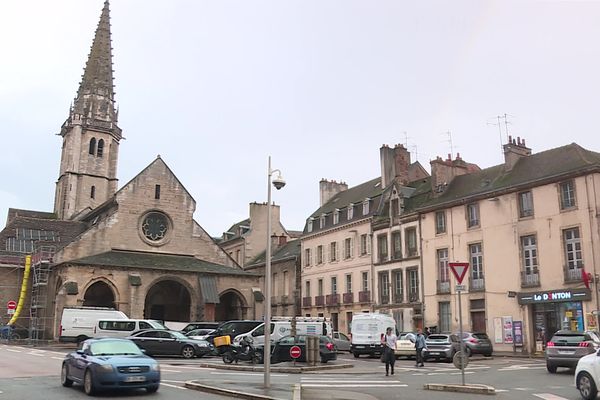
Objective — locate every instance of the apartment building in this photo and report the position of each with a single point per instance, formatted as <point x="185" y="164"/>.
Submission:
<point x="529" y="229"/>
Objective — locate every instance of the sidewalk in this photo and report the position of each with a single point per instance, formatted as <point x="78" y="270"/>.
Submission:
<point x="250" y="390"/>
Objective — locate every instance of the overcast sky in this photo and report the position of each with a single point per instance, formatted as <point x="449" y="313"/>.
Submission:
<point x="215" y="87"/>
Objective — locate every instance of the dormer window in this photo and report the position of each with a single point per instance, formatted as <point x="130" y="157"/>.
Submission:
<point x="309" y="227"/>
<point x="336" y="216"/>
<point x="322" y="221"/>
<point x="350" y="211"/>
<point x="365" y="205"/>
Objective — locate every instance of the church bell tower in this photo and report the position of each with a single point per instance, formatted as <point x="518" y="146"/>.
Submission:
<point x="90" y="148"/>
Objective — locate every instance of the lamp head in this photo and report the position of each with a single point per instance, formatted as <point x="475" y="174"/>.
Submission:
<point x="278" y="182"/>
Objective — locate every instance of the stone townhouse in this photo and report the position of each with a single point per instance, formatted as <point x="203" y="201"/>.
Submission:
<point x="529" y="229"/>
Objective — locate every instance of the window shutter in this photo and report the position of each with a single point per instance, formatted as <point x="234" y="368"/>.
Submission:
<point x="351" y="247"/>
<point x="337" y="251"/>
<point x="368" y="244"/>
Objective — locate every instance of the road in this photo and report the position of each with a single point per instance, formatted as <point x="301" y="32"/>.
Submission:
<point x="27" y="372"/>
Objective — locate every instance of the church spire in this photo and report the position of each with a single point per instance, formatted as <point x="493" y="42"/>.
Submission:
<point x="95" y="97"/>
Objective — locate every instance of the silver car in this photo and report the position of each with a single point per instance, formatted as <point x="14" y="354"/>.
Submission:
<point x="342" y="342"/>
<point x="441" y="346"/>
<point x="567" y="347"/>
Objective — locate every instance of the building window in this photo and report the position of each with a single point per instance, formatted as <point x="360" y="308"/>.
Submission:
<point x="155" y="226"/>
<point x="572" y="243"/>
<point x="365" y="281"/>
<point x="443" y="271"/>
<point x="382" y="248"/>
<point x="237" y="256"/>
<point x="529" y="250"/>
<point x="322" y="221"/>
<point x="307" y="257"/>
<point x="397" y="245"/>
<point x="567" y="195"/>
<point x="365" y="206"/>
<point x="348" y="283"/>
<point x="333" y="251"/>
<point x="320" y="287"/>
<point x="384" y="287"/>
<point x="348" y="248"/>
<point x="286" y="283"/>
<point x="364" y="244"/>
<point x="336" y="217"/>
<point x="476" y="256"/>
<point x="307" y="288"/>
<point x="93" y="192"/>
<point x="398" y="286"/>
<point x="350" y="211"/>
<point x="156" y="192"/>
<point x="525" y="204"/>
<point x="472" y="215"/>
<point x="309" y="228"/>
<point x="411" y="242"/>
<point x="334" y="285"/>
<point x="100" y="150"/>
<point x="92" y="149"/>
<point x="275" y="284"/>
<point x="413" y="284"/>
<point x="319" y="254"/>
<point x="445" y="316"/>
<point x="440" y="222"/>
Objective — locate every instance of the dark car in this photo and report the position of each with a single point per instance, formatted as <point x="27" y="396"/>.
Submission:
<point x="567" y="347"/>
<point x="110" y="364"/>
<point x="199" y="334"/>
<point x="441" y="346"/>
<point x="281" y="348"/>
<point x="233" y="329"/>
<point x="200" y="325"/>
<point x="477" y="343"/>
<point x="157" y="342"/>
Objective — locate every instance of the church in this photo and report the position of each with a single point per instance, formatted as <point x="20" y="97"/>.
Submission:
<point x="136" y="248"/>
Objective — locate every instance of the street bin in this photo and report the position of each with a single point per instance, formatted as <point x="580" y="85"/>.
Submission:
<point x="312" y="350"/>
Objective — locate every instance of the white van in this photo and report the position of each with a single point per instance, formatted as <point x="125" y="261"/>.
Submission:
<point x="366" y="330"/>
<point x="124" y="327"/>
<point x="77" y="323"/>
<point x="282" y="326"/>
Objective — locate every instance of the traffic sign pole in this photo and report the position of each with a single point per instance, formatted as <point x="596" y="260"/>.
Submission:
<point x="462" y="343"/>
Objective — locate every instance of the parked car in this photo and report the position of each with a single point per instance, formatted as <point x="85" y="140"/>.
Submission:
<point x="567" y="347"/>
<point x="405" y="345"/>
<point x="160" y="342"/>
<point x="200" y="325"/>
<point x="342" y="342"/>
<point x="199" y="334"/>
<point x="587" y="376"/>
<point x="477" y="343"/>
<point x="281" y="348"/>
<point x="441" y="346"/>
<point x="233" y="329"/>
<point x="110" y="364"/>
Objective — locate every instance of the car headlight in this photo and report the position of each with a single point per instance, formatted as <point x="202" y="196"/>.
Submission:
<point x="155" y="367"/>
<point x="106" y="368"/>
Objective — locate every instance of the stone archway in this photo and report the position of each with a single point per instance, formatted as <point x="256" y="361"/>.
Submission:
<point x="232" y="305"/>
<point x="168" y="300"/>
<point x="99" y="294"/>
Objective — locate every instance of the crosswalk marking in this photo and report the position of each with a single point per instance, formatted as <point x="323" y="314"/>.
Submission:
<point x="548" y="396"/>
<point x="340" y="381"/>
<point x="352" y="385"/>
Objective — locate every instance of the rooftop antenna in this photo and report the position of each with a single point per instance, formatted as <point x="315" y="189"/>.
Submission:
<point x="405" y="138"/>
<point x="499" y="119"/>
<point x="416" y="151"/>
<point x="450" y="142"/>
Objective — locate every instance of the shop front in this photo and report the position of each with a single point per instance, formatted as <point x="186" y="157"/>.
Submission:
<point x="553" y="310"/>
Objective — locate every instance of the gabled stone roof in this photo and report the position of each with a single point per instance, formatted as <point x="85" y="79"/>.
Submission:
<point x="235" y="230"/>
<point x="289" y="250"/>
<point x="157" y="261"/>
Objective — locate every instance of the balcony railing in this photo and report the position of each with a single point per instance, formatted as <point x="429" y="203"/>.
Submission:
<point x="530" y="279"/>
<point x="364" y="297"/>
<point x="384" y="299"/>
<point x="413" y="297"/>
<point x="443" y="287"/>
<point x="306" y="301"/>
<point x="348" y="298"/>
<point x="333" y="299"/>
<point x="573" y="274"/>
<point x="476" y="284"/>
<point x="398" y="297"/>
<point x="319" y="301"/>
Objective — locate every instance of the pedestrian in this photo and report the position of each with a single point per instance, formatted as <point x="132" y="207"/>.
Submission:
<point x="389" y="348"/>
<point x="420" y="345"/>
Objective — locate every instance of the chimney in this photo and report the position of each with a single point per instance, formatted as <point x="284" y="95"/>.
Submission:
<point x="328" y="189"/>
<point x="277" y="241"/>
<point x="258" y="216"/>
<point x="443" y="171"/>
<point x="513" y="151"/>
<point x="394" y="164"/>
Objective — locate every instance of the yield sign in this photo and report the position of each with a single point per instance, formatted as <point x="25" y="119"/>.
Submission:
<point x="459" y="270"/>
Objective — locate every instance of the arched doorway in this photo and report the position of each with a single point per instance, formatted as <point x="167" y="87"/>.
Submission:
<point x="168" y="301"/>
<point x="231" y="306"/>
<point x="99" y="294"/>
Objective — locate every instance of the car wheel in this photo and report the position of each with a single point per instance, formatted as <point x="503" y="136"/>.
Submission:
<point x="152" y="389"/>
<point x="356" y="355"/>
<point x="551" y="368"/>
<point x="487" y="355"/>
<point x="188" y="352"/>
<point x="64" y="376"/>
<point x="587" y="386"/>
<point x="468" y="352"/>
<point x="88" y="383"/>
<point x="15" y="336"/>
<point x="81" y="338"/>
<point x="228" y="358"/>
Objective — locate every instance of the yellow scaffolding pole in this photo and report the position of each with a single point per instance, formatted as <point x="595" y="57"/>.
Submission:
<point x="23" y="294"/>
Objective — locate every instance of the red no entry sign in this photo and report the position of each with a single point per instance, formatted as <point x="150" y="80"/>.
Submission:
<point x="11" y="305"/>
<point x="295" y="352"/>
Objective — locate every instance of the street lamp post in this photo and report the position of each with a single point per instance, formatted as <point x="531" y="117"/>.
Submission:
<point x="278" y="182"/>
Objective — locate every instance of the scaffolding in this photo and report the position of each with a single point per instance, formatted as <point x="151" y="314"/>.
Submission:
<point x="39" y="317"/>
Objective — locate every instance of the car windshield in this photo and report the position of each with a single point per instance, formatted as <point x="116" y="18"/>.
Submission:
<point x="437" y="338"/>
<point x="482" y="336"/>
<point x="358" y="327"/>
<point x="113" y="348"/>
<point x="407" y="336"/>
<point x="569" y="339"/>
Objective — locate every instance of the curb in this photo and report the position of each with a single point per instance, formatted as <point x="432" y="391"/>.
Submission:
<point x="474" y="388"/>
<point x="289" y="370"/>
<point x="231" y="393"/>
<point x="297" y="392"/>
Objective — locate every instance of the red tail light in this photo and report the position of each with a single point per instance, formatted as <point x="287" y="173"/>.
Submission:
<point x="473" y="340"/>
<point x="329" y="346"/>
<point x="550" y="344"/>
<point x="584" y="344"/>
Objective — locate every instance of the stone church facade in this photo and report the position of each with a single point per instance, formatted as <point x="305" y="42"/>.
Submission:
<point x="137" y="249"/>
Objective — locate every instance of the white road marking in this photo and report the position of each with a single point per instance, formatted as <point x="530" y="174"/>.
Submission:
<point x="323" y="385"/>
<point x="341" y="381"/>
<point x="58" y="358"/>
<point x="246" y="373"/>
<point x="523" y="389"/>
<point x="13" y="350"/>
<point x="37" y="354"/>
<point x="168" y="380"/>
<point x="168" y="370"/>
<point x="548" y="396"/>
<point x="173" y="386"/>
<point x="501" y="390"/>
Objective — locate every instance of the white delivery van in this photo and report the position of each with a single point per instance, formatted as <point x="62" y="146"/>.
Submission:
<point x="124" y="327"/>
<point x="366" y="330"/>
<point x="282" y="326"/>
<point x="77" y="323"/>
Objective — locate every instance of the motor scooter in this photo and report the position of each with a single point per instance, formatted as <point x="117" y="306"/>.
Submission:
<point x="244" y="351"/>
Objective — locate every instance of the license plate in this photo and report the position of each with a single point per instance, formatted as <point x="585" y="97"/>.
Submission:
<point x="434" y="353"/>
<point x="566" y="352"/>
<point x="360" y="347"/>
<point x="137" y="378"/>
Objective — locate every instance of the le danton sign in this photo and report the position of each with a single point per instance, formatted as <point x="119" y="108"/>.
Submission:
<point x="554" y="296"/>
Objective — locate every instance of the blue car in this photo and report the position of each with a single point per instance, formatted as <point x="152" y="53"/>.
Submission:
<point x="101" y="364"/>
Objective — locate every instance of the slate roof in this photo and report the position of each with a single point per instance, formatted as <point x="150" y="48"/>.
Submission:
<point x="546" y="166"/>
<point x="157" y="261"/>
<point x="235" y="230"/>
<point x="289" y="250"/>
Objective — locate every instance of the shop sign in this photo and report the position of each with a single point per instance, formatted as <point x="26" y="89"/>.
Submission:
<point x="554" y="296"/>
<point x="518" y="333"/>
